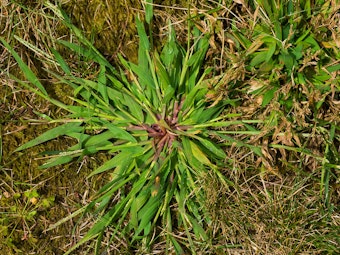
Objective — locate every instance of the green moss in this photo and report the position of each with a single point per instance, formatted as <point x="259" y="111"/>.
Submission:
<point x="109" y="24"/>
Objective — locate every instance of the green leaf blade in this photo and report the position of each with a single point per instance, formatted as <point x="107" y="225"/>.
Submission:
<point x="52" y="134"/>
<point x="32" y="78"/>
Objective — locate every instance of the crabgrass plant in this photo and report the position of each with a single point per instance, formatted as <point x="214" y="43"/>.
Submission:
<point x="162" y="133"/>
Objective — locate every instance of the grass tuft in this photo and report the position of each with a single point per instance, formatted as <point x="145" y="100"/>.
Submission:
<point x="221" y="137"/>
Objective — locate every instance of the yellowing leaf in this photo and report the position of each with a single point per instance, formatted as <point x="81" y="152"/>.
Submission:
<point x="198" y="154"/>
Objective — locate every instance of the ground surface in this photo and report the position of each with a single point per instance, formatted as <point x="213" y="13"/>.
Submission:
<point x="276" y="207"/>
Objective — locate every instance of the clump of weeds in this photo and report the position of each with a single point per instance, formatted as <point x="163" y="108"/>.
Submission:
<point x="228" y="145"/>
<point x="162" y="133"/>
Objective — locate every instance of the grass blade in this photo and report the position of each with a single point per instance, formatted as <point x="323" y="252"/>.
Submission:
<point x="52" y="134"/>
<point x="32" y="78"/>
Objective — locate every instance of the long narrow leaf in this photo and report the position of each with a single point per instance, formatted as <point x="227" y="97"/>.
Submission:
<point x="102" y="87"/>
<point x="52" y="134"/>
<point x="32" y="78"/>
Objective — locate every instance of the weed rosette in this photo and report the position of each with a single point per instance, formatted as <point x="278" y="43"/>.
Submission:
<point x="165" y="124"/>
<point x="153" y="117"/>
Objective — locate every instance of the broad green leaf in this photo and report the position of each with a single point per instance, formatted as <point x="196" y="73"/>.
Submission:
<point x="102" y="87"/>
<point x="312" y="42"/>
<point x="259" y="57"/>
<point x="143" y="49"/>
<point x="137" y="204"/>
<point x="119" y="159"/>
<point x="143" y="38"/>
<point x="162" y="73"/>
<point x="256" y="44"/>
<point x="209" y="114"/>
<point x="144" y="76"/>
<point x="268" y="96"/>
<point x="80" y="50"/>
<point x="61" y="62"/>
<point x="99" y="140"/>
<point x="196" y="114"/>
<point x="333" y="68"/>
<point x="286" y="29"/>
<point x="148" y="11"/>
<point x="320" y="103"/>
<point x="298" y="51"/>
<point x="146" y="215"/>
<point x="290" y="7"/>
<point x="241" y="39"/>
<point x="196" y="59"/>
<point x="116" y="96"/>
<point x="119" y="132"/>
<point x="80" y="112"/>
<point x="91" y="95"/>
<point x="301" y="79"/>
<point x="170" y="50"/>
<point x="267" y="6"/>
<point x="303" y="36"/>
<point x="271" y="51"/>
<point x="177" y="246"/>
<point x="135" y="108"/>
<point x="321" y="76"/>
<point x="109" y="189"/>
<point x="287" y="59"/>
<point x="60" y="160"/>
<point x="118" y="84"/>
<point x="193" y="61"/>
<point x="212" y="147"/>
<point x="188" y="155"/>
<point x="191" y="80"/>
<point x="198" y="229"/>
<point x="198" y="154"/>
<point x="191" y="96"/>
<point x="308" y="9"/>
<point x="53" y="133"/>
<point x="168" y="95"/>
